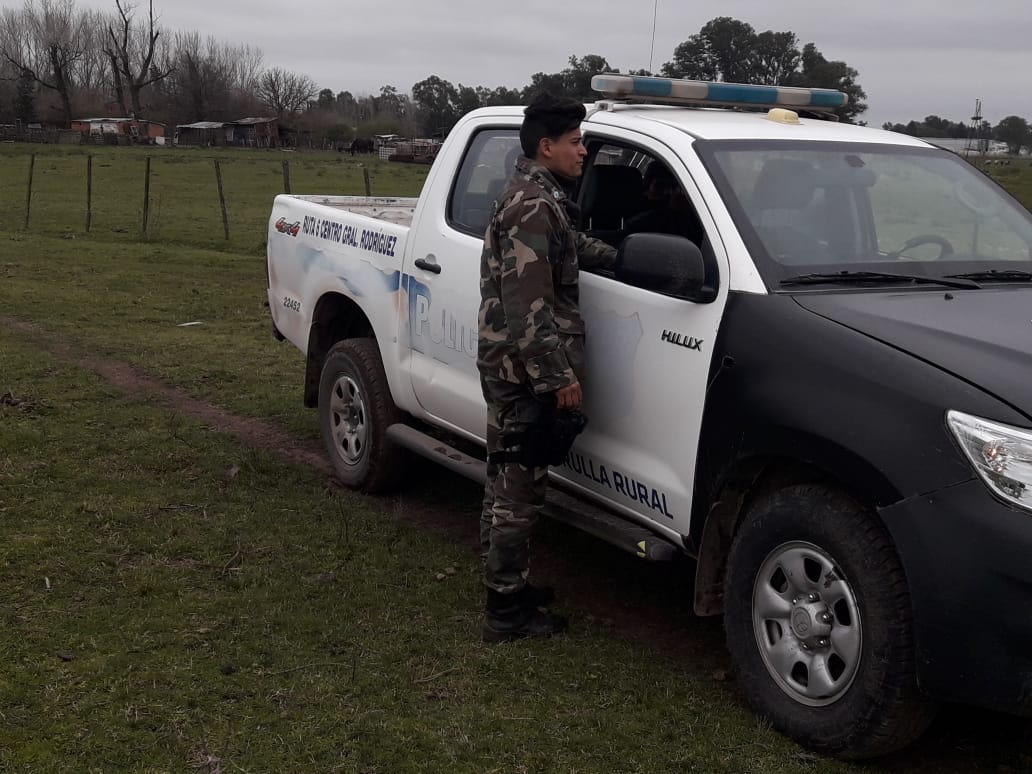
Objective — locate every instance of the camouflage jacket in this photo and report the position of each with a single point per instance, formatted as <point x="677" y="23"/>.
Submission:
<point x="531" y="329"/>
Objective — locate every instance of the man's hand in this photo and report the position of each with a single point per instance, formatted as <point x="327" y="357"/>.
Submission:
<point x="569" y="397"/>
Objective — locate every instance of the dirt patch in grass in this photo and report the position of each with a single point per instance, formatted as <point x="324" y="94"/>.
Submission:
<point x="139" y="386"/>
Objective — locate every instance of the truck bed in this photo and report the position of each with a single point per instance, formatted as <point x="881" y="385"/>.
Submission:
<point x="396" y="210"/>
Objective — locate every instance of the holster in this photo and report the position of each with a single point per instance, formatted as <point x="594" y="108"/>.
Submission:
<point x="544" y="443"/>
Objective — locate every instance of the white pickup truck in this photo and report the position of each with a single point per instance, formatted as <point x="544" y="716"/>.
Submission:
<point x="818" y="388"/>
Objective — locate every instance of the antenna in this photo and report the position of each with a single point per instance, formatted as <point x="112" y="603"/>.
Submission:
<point x="655" y="14"/>
<point x="975" y="141"/>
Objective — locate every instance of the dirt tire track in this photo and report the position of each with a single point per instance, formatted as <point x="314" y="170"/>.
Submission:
<point x="652" y="600"/>
<point x="141" y="387"/>
<point x="649" y="604"/>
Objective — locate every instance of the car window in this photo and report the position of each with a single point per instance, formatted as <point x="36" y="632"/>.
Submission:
<point x="627" y="190"/>
<point x="809" y="206"/>
<point x="488" y="164"/>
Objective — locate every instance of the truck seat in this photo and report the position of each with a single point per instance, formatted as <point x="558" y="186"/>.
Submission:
<point x="783" y="184"/>
<point x="782" y="211"/>
<point x="613" y="194"/>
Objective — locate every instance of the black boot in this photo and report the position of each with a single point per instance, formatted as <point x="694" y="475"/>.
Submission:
<point x="507" y="617"/>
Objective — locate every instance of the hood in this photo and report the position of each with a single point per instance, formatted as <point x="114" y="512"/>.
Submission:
<point x="982" y="336"/>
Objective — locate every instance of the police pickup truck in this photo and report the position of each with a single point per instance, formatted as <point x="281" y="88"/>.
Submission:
<point x="816" y="383"/>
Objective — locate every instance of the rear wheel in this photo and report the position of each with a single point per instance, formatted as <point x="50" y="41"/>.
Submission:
<point x="355" y="410"/>
<point x="818" y="622"/>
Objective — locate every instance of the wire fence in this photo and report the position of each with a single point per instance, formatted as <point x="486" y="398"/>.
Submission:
<point x="222" y="202"/>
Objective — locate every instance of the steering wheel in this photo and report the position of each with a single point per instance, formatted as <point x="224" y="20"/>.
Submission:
<point x="945" y="247"/>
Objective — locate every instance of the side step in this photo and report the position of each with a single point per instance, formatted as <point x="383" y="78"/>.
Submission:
<point x="622" y="533"/>
<point x="427" y="446"/>
<point x="560" y="506"/>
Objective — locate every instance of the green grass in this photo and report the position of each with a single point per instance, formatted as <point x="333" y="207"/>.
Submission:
<point x="130" y="300"/>
<point x="170" y="596"/>
<point x="184" y="199"/>
<point x="174" y="600"/>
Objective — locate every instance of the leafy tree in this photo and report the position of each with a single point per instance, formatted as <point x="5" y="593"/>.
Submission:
<point x="1014" y="131"/>
<point x="468" y="99"/>
<point x="573" y="82"/>
<point x="550" y="82"/>
<point x="348" y="107"/>
<point x="436" y="101"/>
<point x="578" y="75"/>
<point x="500" y="95"/>
<point x="934" y="126"/>
<point x="727" y="49"/>
<point x="390" y="102"/>
<point x="776" y="56"/>
<point x="820" y="73"/>
<point x="326" y="100"/>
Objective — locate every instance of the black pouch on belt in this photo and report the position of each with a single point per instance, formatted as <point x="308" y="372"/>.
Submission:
<point x="546" y="442"/>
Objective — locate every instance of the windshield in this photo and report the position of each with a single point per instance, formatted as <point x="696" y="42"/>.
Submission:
<point x="808" y="208"/>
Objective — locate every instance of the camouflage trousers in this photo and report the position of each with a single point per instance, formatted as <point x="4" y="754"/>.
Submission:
<point x="513" y="493"/>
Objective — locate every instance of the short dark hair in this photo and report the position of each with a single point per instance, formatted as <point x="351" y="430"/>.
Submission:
<point x="548" y="116"/>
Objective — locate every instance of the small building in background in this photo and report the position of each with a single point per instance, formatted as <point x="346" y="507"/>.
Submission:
<point x="260" y="132"/>
<point x="204" y="134"/>
<point x="119" y="131"/>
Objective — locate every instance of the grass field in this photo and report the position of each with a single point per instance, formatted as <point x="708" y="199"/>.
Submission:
<point x="183" y="197"/>
<point x="187" y="594"/>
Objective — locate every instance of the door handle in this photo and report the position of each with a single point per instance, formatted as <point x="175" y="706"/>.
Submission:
<point x="425" y="265"/>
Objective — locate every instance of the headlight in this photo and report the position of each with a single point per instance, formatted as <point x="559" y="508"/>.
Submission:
<point x="1000" y="454"/>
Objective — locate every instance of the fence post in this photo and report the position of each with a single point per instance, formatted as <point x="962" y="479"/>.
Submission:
<point x="28" y="197"/>
<point x="146" y="195"/>
<point x="286" y="176"/>
<point x="368" y="187"/>
<point x="89" y="191"/>
<point x="222" y="199"/>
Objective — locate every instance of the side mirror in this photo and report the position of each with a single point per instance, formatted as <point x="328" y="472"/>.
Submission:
<point x="667" y="264"/>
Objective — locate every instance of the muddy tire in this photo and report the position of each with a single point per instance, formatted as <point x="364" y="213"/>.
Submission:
<point x="819" y="625"/>
<point x="355" y="410"/>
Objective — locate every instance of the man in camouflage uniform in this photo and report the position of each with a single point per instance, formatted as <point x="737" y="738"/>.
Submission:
<point x="531" y="351"/>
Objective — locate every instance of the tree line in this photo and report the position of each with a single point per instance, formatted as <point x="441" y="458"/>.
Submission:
<point x="1012" y="130"/>
<point x="59" y="62"/>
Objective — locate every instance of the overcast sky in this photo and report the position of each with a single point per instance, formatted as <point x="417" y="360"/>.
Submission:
<point x="914" y="57"/>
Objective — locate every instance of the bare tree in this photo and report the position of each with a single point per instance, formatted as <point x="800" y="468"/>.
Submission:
<point x="249" y="63"/>
<point x="285" y="92"/>
<point x="17" y="93"/>
<point x="135" y="55"/>
<point x="46" y="38"/>
<point x="91" y="70"/>
<point x="212" y="79"/>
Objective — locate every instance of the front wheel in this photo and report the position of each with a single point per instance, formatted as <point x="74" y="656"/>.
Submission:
<point x="819" y="626"/>
<point x="355" y="410"/>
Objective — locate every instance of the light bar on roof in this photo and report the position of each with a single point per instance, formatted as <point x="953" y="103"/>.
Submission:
<point x="642" y="88"/>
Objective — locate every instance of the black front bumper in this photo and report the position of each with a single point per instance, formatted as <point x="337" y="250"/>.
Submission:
<point x="968" y="560"/>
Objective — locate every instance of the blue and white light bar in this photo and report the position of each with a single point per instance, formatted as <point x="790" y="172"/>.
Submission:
<point x="676" y="91"/>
